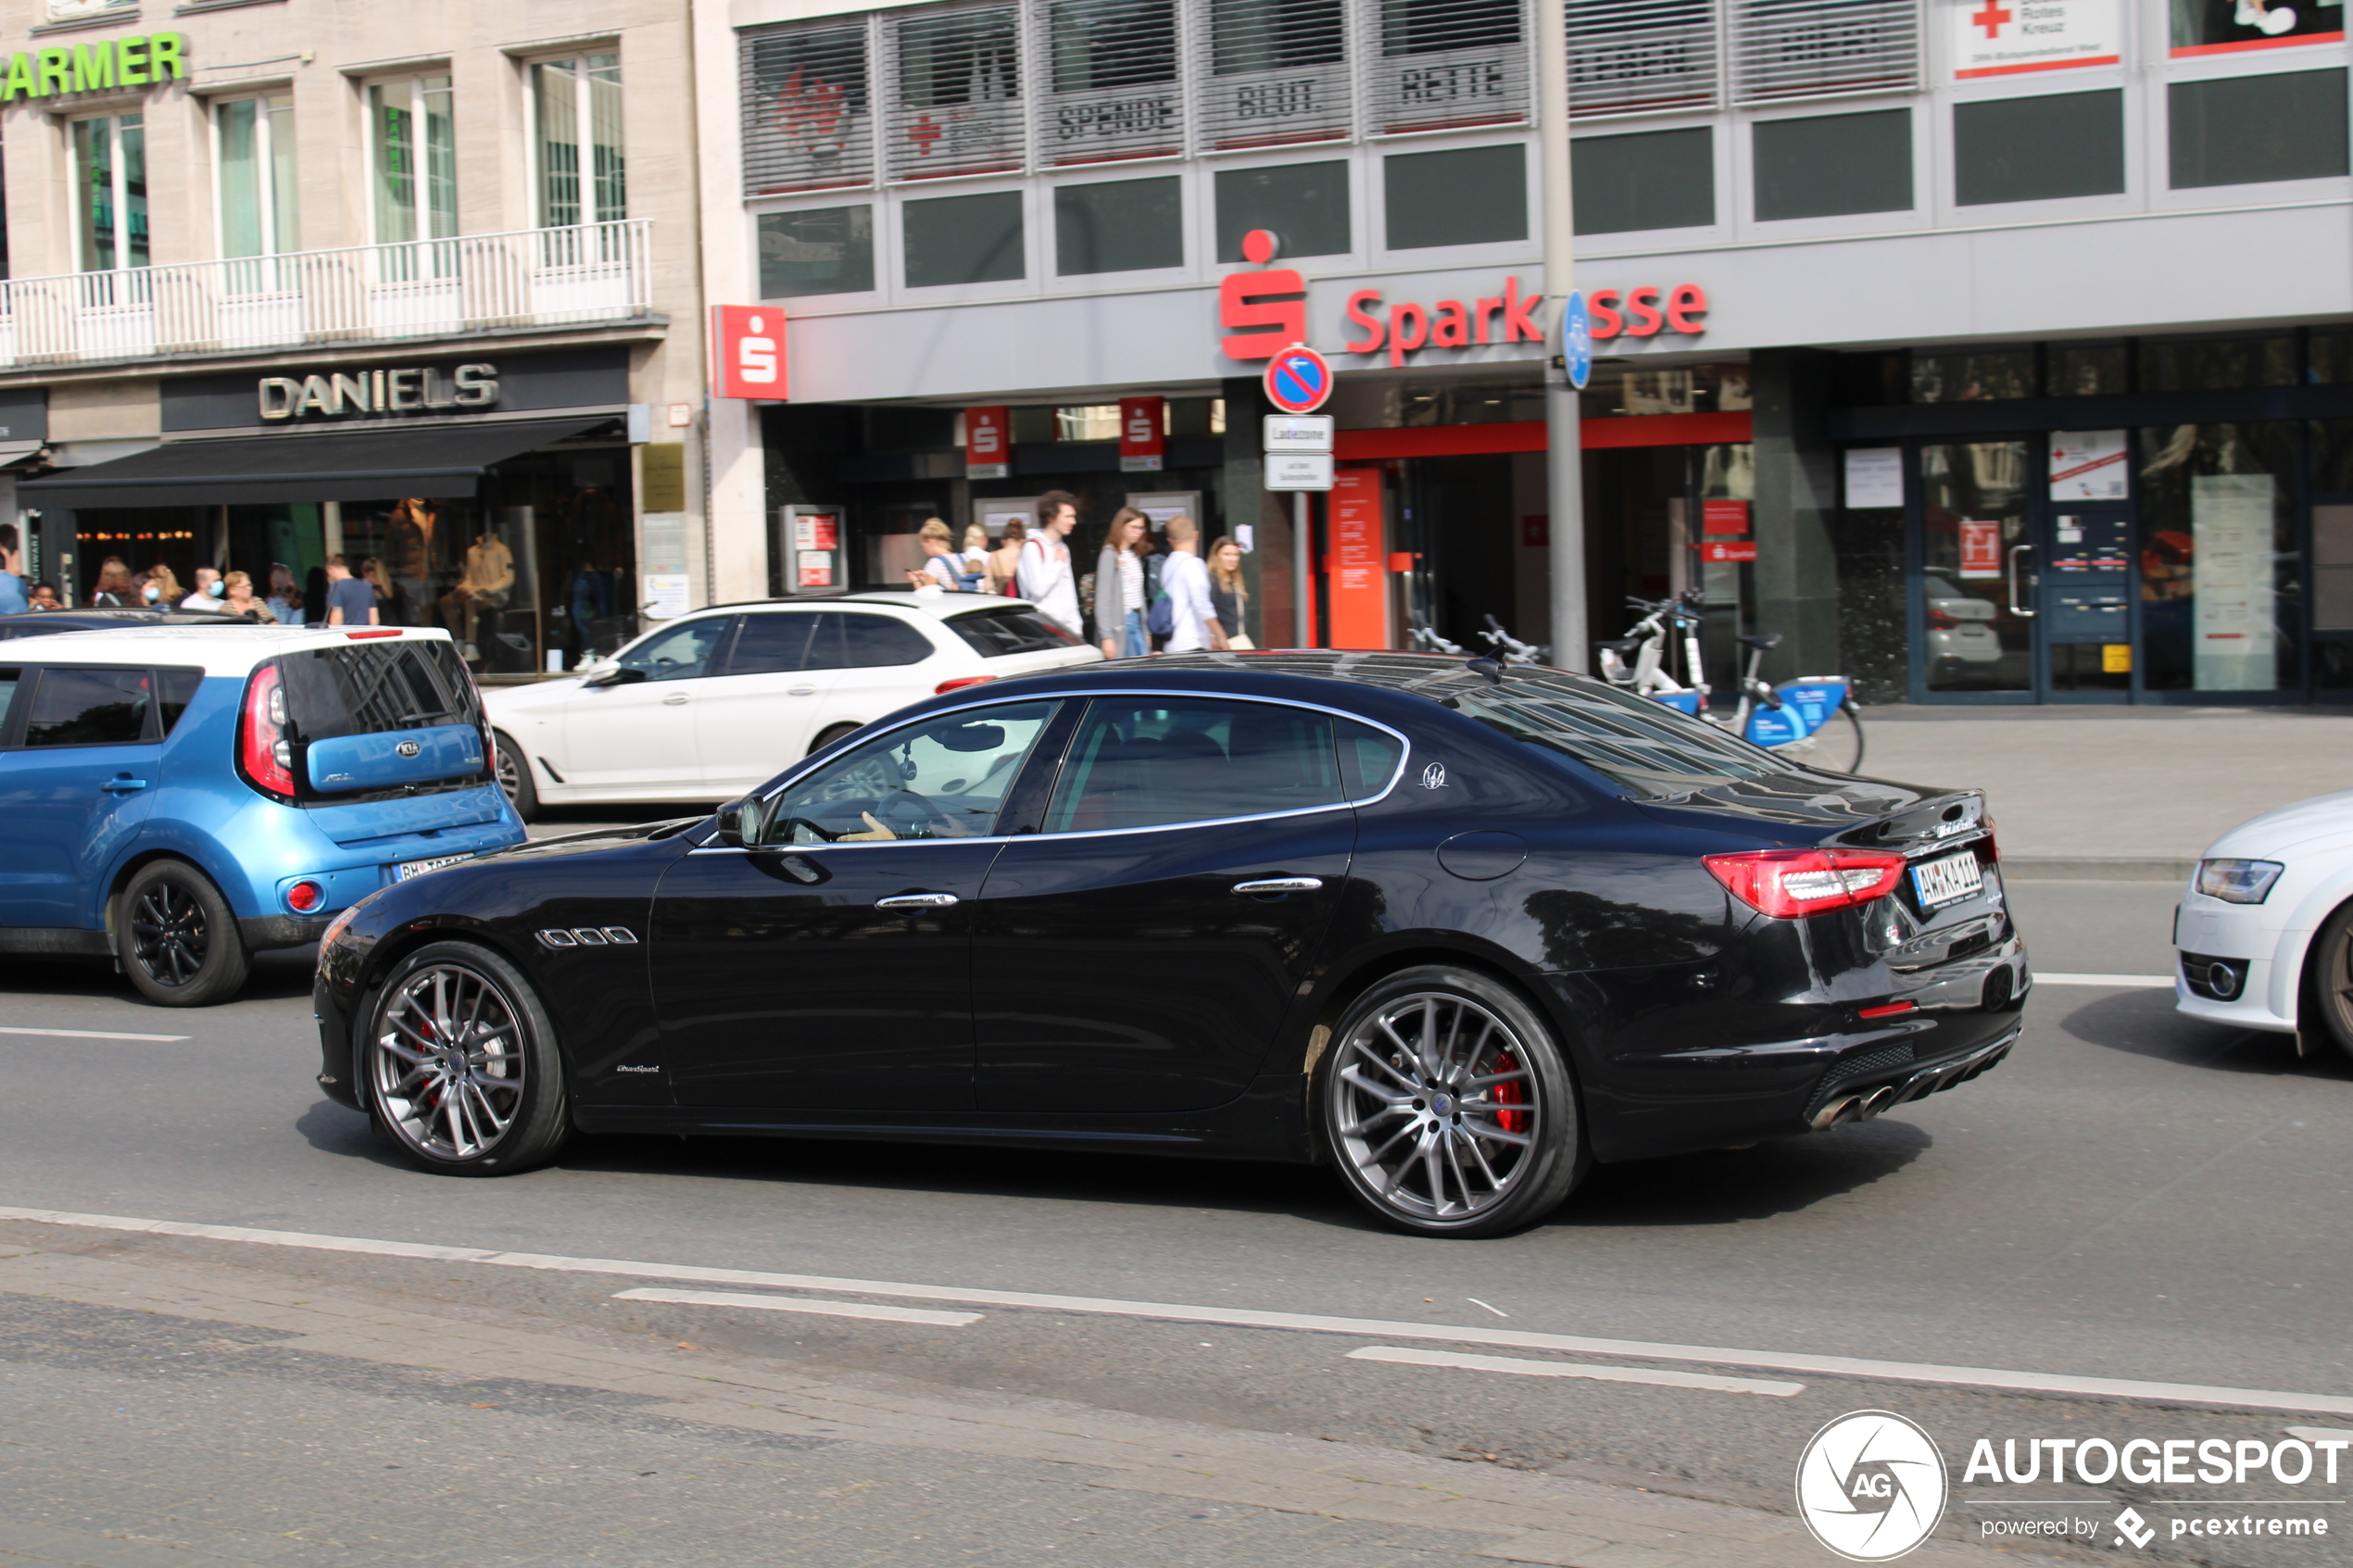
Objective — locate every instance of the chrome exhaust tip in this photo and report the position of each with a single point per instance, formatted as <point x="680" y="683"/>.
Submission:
<point x="1833" y="1113"/>
<point x="1879" y="1100"/>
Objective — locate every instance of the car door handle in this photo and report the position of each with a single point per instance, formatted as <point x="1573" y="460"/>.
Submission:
<point x="123" y="786"/>
<point x="677" y="700"/>
<point x="1280" y="884"/>
<point x="916" y="901"/>
<point x="800" y="691"/>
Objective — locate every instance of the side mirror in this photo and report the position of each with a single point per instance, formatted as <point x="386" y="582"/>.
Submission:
<point x="742" y="823"/>
<point x="614" y="675"/>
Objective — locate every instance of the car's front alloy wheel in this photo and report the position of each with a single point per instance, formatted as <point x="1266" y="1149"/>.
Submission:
<point x="461" y="1067"/>
<point x="1446" y="1105"/>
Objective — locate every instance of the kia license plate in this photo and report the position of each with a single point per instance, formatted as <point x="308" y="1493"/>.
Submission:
<point x="407" y="869"/>
<point x="1946" y="881"/>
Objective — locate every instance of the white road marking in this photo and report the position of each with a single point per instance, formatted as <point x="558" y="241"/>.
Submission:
<point x="803" y="1304"/>
<point x="1488" y="1305"/>
<point x="1235" y="1317"/>
<point x="90" y="1035"/>
<point x="2321" y="1434"/>
<point x="2132" y="982"/>
<point x="1526" y="1368"/>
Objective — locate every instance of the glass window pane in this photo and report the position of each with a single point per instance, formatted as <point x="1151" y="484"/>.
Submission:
<point x="771" y="645"/>
<point x="1974" y="517"/>
<point x="1464" y="197"/>
<point x="93" y="192"/>
<point x="441" y="159"/>
<point x="1957" y="377"/>
<point x="680" y="653"/>
<point x="1656" y="179"/>
<point x="286" y="231"/>
<point x="2201" y="26"/>
<point x="944" y="778"/>
<point x="1143" y="761"/>
<point x="1112" y="44"/>
<point x="2222" y="364"/>
<point x="995" y="633"/>
<point x="1122" y="226"/>
<point x="2246" y="129"/>
<point x="2039" y="149"/>
<point x="1367" y="759"/>
<point x="824" y="250"/>
<point x="132" y="133"/>
<point x="873" y="642"/>
<point x="607" y="165"/>
<point x="89" y="708"/>
<point x="1304" y="203"/>
<point x="556" y="107"/>
<point x="2089" y="369"/>
<point x="2333" y="566"/>
<point x="2219" y="561"/>
<point x="963" y="239"/>
<point x="395" y="125"/>
<point x="1834" y="163"/>
<point x="242" y="202"/>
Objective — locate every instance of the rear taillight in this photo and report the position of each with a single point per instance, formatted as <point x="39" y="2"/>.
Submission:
<point x="1993" y="851"/>
<point x="945" y="686"/>
<point x="1939" y="621"/>
<point x="489" y="752"/>
<point x="264" y="753"/>
<point x="1790" y="883"/>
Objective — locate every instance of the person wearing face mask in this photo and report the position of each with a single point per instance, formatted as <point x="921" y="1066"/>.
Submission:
<point x="167" y="591"/>
<point x="208" y="593"/>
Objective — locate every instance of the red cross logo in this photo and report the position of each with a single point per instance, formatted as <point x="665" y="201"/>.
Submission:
<point x="1991" y="18"/>
<point x="925" y="134"/>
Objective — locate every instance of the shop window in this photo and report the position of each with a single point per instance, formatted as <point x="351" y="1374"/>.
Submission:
<point x="2224" y="364"/>
<point x="1119" y="226"/>
<point x="2220" y="558"/>
<point x="1463" y="196"/>
<point x="2329" y="356"/>
<point x="1972" y="377"/>
<point x="2089" y="369"/>
<point x="823" y="250"/>
<point x="1655" y="180"/>
<point x="575" y="118"/>
<point x="2332" y="569"/>
<point x="1086" y="422"/>
<point x="1873" y="380"/>
<point x="953" y="240"/>
<point x="254" y="143"/>
<point x="2250" y="130"/>
<point x="2038" y="149"/>
<point x="1305" y="206"/>
<point x="110" y="192"/>
<point x="1834" y="165"/>
<point x="415" y="159"/>
<point x="2216" y="28"/>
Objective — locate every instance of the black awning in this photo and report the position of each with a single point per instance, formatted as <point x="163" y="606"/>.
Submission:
<point x="360" y="466"/>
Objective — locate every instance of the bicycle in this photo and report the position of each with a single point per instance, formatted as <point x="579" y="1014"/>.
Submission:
<point x="1811" y="718"/>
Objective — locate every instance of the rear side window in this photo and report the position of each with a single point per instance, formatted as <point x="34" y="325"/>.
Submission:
<point x="90" y="707"/>
<point x="774" y="644"/>
<point x="1146" y="761"/>
<point x="993" y="633"/>
<point x="1367" y="758"/>
<point x="175" y="689"/>
<point x="370" y="688"/>
<point x="8" y="679"/>
<point x="845" y="641"/>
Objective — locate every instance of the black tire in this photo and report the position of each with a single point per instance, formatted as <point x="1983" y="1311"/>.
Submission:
<point x="1373" y="1094"/>
<point x="514" y="777"/>
<point x="1837" y="747"/>
<point x="831" y="734"/>
<point x="458" y="1066"/>
<point x="177" y="938"/>
<point x="2331" y="977"/>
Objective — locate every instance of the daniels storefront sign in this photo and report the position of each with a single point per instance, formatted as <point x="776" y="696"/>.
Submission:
<point x="377" y="391"/>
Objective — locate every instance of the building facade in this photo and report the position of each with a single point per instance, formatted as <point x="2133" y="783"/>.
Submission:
<point x="414" y="284"/>
<point x="1937" y="335"/>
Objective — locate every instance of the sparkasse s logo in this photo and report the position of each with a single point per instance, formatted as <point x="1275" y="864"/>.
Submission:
<point x="1870" y="1486"/>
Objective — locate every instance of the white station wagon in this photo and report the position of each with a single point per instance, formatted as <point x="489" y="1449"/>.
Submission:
<point x="709" y="704"/>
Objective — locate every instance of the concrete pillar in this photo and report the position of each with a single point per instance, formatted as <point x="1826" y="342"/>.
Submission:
<point x="1796" y="573"/>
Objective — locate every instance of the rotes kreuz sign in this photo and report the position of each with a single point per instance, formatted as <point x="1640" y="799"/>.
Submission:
<point x="1297" y="379"/>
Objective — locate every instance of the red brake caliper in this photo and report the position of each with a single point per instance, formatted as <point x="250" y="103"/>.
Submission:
<point x="1513" y="1092"/>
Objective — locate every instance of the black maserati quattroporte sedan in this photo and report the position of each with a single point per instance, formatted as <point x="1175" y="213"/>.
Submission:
<point x="1457" y="930"/>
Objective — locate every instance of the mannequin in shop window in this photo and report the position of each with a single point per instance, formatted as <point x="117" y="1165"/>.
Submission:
<point x="489" y="577"/>
<point x="408" y="558"/>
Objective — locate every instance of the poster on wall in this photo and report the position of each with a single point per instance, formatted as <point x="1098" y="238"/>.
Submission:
<point x="2005" y="37"/>
<point x="1980" y="547"/>
<point x="2234" y="636"/>
<point x="1358" y="581"/>
<point x="2088" y="465"/>
<point x="2221" y="27"/>
<point x="1874" y="477"/>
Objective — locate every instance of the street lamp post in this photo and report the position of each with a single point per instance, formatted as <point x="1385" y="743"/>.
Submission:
<point x="1565" y="467"/>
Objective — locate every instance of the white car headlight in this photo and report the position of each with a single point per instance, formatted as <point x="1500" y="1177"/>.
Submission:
<point x="2238" y="881"/>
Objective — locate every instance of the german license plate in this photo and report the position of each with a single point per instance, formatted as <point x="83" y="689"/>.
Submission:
<point x="407" y="869"/>
<point x="1944" y="881"/>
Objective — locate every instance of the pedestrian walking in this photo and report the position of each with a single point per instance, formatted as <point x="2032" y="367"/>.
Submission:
<point x="1044" y="573"/>
<point x="1228" y="593"/>
<point x="942" y="568"/>
<point x="350" y="602"/>
<point x="1004" y="561"/>
<point x="1120" y="594"/>
<point x="285" y="599"/>
<point x="1184" y="580"/>
<point x="13" y="600"/>
<point x="115" y="589"/>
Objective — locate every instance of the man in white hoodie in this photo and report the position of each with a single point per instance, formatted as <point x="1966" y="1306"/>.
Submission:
<point x="1185" y="578"/>
<point x="1044" y="575"/>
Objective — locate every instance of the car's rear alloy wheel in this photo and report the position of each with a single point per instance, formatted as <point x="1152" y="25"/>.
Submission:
<point x="461" y="1064"/>
<point x="1447" y="1107"/>
<point x="177" y="938"/>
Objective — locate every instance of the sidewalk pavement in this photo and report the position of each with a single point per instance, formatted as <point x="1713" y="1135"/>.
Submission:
<point x="176" y="1415"/>
<point x="2115" y="793"/>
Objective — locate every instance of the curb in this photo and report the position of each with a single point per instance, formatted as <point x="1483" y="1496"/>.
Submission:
<point x="2095" y="867"/>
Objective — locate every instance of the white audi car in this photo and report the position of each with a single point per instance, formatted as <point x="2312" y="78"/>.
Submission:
<point x="707" y="705"/>
<point x="2264" y="935"/>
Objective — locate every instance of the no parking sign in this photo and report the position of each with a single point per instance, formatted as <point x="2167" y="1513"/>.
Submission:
<point x="1297" y="379"/>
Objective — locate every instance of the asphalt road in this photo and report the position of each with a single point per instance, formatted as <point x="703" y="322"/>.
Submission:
<point x="2131" y="1196"/>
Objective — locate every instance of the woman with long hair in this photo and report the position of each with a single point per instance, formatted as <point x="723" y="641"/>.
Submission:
<point x="168" y="592"/>
<point x="1006" y="559"/>
<point x="392" y="605"/>
<point x="1120" y="586"/>
<point x="115" y="589"/>
<point x="1228" y="594"/>
<point x="236" y="598"/>
<point x="285" y="599"/>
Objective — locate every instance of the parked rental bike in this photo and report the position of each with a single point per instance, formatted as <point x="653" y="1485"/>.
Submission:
<point x="1811" y="718"/>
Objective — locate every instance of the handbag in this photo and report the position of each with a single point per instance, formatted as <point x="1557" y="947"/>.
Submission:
<point x="1239" y="642"/>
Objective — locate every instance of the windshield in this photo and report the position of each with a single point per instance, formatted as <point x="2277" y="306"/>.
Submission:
<point x="1645" y="747"/>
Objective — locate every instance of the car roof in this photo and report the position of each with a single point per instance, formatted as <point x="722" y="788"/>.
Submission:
<point x="944" y="605"/>
<point x="1339" y="677"/>
<point x="96" y="618"/>
<point x="219" y="650"/>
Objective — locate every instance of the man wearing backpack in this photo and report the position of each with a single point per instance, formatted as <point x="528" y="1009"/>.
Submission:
<point x="1045" y="573"/>
<point x="1184" y="582"/>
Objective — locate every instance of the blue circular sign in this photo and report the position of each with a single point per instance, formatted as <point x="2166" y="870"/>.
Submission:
<point x="1297" y="379"/>
<point x="1577" y="340"/>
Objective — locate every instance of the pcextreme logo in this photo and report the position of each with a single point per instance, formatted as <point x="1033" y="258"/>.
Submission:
<point x="1870" y="1486"/>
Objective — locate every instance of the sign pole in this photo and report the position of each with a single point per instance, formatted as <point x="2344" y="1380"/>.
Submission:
<point x="1299" y="458"/>
<point x="1564" y="459"/>
<point x="1302" y="581"/>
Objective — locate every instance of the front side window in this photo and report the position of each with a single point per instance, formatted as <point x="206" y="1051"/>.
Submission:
<point x="110" y="191"/>
<point x="576" y="120"/>
<point x="415" y="157"/>
<point x="680" y="653"/>
<point x="944" y="778"/>
<point x="254" y="143"/>
<point x="1148" y="762"/>
<point x="771" y="645"/>
<point x="74" y="706"/>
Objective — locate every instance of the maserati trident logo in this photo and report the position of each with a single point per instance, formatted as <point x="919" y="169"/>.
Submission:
<point x="1434" y="776"/>
<point x="409" y="748"/>
<point x="1870" y="1486"/>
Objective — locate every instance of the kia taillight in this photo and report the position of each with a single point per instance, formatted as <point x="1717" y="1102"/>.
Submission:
<point x="1790" y="883"/>
<point x="264" y="753"/>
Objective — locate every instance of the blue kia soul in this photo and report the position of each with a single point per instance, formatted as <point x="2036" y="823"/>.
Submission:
<point x="178" y="796"/>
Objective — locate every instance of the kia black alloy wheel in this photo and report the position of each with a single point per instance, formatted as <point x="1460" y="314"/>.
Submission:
<point x="460" y="1064"/>
<point x="515" y="778"/>
<point x="177" y="938"/>
<point x="1447" y="1107"/>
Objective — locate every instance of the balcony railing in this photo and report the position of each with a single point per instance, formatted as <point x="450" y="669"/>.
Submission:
<point x="364" y="294"/>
